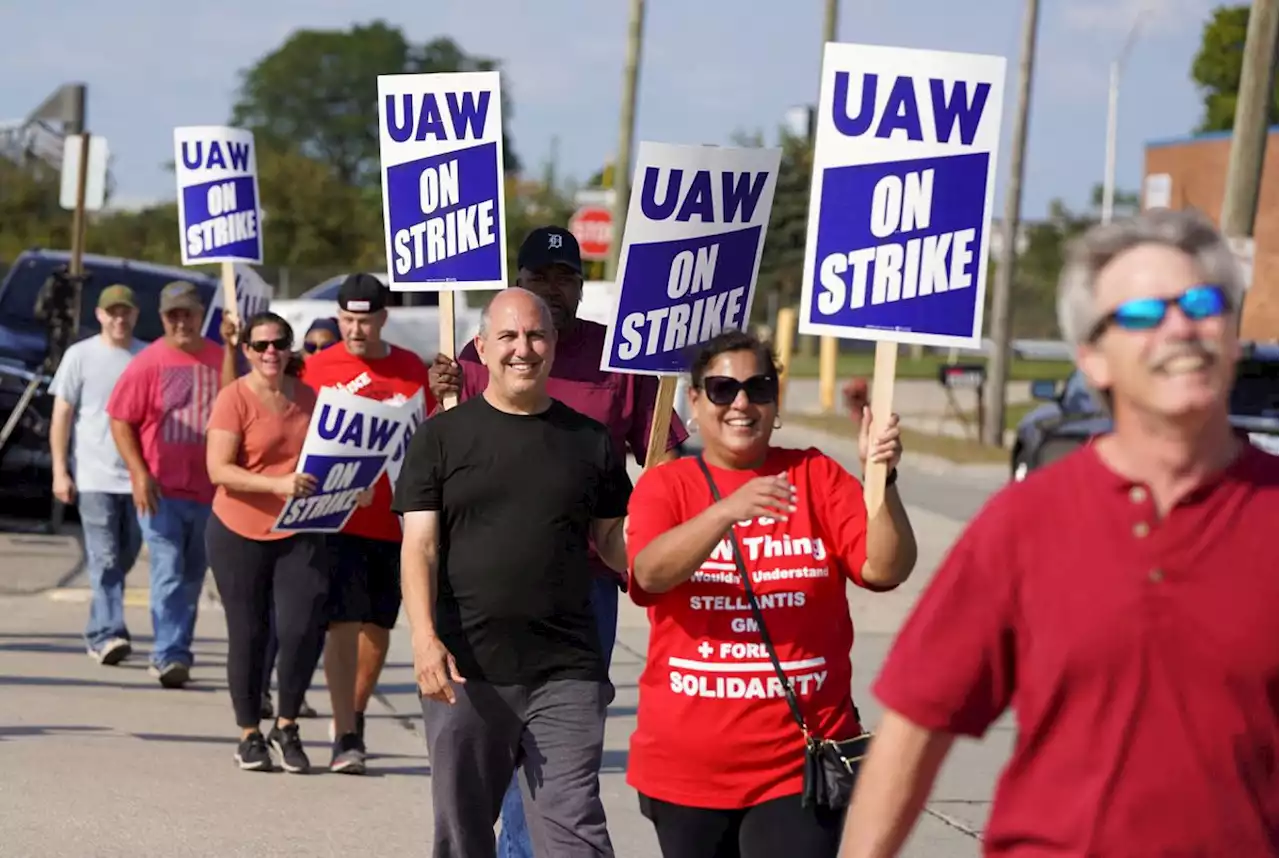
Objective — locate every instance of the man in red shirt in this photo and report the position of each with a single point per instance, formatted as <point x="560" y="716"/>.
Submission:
<point x="550" y="266"/>
<point x="158" y="409"/>
<point x="1122" y="600"/>
<point x="364" y="589"/>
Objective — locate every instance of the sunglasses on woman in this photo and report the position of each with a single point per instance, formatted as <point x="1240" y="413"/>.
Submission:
<point x="1142" y="314"/>
<point x="311" y="348"/>
<point x="282" y="345"/>
<point x="723" y="389"/>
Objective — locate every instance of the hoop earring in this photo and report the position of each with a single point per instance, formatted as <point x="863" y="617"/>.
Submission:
<point x="777" y="422"/>
<point x="691" y="425"/>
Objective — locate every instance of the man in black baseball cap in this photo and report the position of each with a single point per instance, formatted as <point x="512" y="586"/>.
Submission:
<point x="364" y="582"/>
<point x="550" y="265"/>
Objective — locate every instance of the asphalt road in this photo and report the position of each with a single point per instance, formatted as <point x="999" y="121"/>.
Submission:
<point x="102" y="762"/>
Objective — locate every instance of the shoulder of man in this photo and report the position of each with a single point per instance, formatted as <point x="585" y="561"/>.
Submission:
<point x="469" y="353"/>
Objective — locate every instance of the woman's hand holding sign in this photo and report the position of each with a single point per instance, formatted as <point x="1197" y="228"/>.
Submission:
<point x="299" y="485"/>
<point x="888" y="444"/>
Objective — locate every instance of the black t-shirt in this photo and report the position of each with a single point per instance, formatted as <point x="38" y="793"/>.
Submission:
<point x="516" y="495"/>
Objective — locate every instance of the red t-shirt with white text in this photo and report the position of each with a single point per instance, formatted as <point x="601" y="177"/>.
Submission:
<point x="393" y="379"/>
<point x="713" y="728"/>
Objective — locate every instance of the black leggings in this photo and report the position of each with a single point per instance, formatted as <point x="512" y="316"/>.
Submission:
<point x="251" y="575"/>
<point x="777" y="827"/>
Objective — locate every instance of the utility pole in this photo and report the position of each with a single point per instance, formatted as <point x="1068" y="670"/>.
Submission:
<point x="1001" y="298"/>
<point x="1113" y="104"/>
<point x="1249" y="138"/>
<point x="626" y="131"/>
<point x="828" y="346"/>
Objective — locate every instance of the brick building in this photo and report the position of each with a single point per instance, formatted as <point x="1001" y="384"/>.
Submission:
<point x="1189" y="172"/>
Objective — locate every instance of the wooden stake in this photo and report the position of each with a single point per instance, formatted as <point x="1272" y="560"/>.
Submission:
<point x="229" y="305"/>
<point x="882" y="382"/>
<point x="447" y="339"/>
<point x="785" y="343"/>
<point x="660" y="428"/>
<point x="828" y="351"/>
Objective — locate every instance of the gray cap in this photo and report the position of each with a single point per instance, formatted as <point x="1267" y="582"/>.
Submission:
<point x="180" y="295"/>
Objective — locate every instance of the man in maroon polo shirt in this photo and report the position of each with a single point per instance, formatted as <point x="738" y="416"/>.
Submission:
<point x="550" y="265"/>
<point x="1123" y="600"/>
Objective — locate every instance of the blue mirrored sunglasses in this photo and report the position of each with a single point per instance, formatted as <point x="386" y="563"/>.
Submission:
<point x="1143" y="314"/>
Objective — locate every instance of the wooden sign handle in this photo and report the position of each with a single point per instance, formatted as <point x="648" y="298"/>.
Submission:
<point x="660" y="428"/>
<point x="882" y="382"/>
<point x="229" y="305"/>
<point x="448" y="345"/>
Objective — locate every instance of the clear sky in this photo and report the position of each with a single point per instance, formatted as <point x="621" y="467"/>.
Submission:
<point x="709" y="68"/>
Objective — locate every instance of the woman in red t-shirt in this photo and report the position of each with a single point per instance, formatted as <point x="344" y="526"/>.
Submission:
<point x="717" y="755"/>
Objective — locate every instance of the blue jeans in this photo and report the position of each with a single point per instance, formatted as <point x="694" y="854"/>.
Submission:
<point x="175" y="539"/>
<point x="513" y="838"/>
<point x="111" y="545"/>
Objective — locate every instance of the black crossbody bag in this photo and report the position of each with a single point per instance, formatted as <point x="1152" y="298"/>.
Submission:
<point x="830" y="766"/>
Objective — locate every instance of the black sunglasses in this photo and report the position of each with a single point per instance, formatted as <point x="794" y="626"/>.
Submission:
<point x="260" y="346"/>
<point x="310" y="347"/>
<point x="723" y="389"/>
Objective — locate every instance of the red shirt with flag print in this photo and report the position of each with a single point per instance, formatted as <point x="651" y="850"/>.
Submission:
<point x="393" y="379"/>
<point x="713" y="728"/>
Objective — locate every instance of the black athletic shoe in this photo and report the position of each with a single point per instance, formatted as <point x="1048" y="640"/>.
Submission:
<point x="348" y="755"/>
<point x="252" y="755"/>
<point x="306" y="710"/>
<point x="172" y="674"/>
<point x="287" y="746"/>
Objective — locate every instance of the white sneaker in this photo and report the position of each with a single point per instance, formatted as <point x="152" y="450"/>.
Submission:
<point x="112" y="652"/>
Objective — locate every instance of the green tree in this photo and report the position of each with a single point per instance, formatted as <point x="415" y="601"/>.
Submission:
<point x="782" y="262"/>
<point x="1216" y="68"/>
<point x="317" y="93"/>
<point x="30" y="215"/>
<point x="1035" y="281"/>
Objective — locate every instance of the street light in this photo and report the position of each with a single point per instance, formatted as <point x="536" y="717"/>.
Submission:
<point x="1113" y="101"/>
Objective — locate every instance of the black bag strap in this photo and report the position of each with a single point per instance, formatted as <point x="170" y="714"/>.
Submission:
<point x="741" y="563"/>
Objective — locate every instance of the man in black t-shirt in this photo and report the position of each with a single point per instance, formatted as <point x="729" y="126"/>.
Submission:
<point x="500" y="496"/>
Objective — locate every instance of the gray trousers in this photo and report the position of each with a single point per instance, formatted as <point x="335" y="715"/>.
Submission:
<point x="553" y="731"/>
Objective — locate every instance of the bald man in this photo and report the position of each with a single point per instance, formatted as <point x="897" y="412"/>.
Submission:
<point x="500" y="496"/>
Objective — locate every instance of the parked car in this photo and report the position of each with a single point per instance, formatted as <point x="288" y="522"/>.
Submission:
<point x="1072" y="414"/>
<point x="25" y="464"/>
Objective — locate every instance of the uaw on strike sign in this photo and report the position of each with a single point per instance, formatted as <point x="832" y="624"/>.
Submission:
<point x="440" y="143"/>
<point x="218" y="213"/>
<point x="347" y="448"/>
<point x="903" y="183"/>
<point x="690" y="253"/>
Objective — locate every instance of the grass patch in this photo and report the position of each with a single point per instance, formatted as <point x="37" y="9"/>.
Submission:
<point x="852" y="364"/>
<point x="960" y="450"/>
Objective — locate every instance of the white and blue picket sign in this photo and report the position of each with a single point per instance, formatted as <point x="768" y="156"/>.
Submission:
<point x="440" y="141"/>
<point x="903" y="186"/>
<point x="218" y="213"/>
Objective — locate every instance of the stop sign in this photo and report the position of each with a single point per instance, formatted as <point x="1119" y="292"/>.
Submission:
<point x="593" y="227"/>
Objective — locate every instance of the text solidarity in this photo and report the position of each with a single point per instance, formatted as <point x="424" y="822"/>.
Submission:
<point x="924" y="265"/>
<point x="688" y="318"/>
<point x="446" y="231"/>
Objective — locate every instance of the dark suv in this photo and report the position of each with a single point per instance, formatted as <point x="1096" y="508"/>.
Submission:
<point x="25" y="464"/>
<point x="1072" y="415"/>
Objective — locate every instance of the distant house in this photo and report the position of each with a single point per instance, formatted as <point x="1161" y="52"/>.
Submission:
<point x="1189" y="173"/>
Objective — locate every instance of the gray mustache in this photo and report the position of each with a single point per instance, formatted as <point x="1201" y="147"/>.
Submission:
<point x="1208" y="351"/>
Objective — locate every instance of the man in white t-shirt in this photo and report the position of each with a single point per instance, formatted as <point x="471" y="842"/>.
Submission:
<point x="94" y="476"/>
